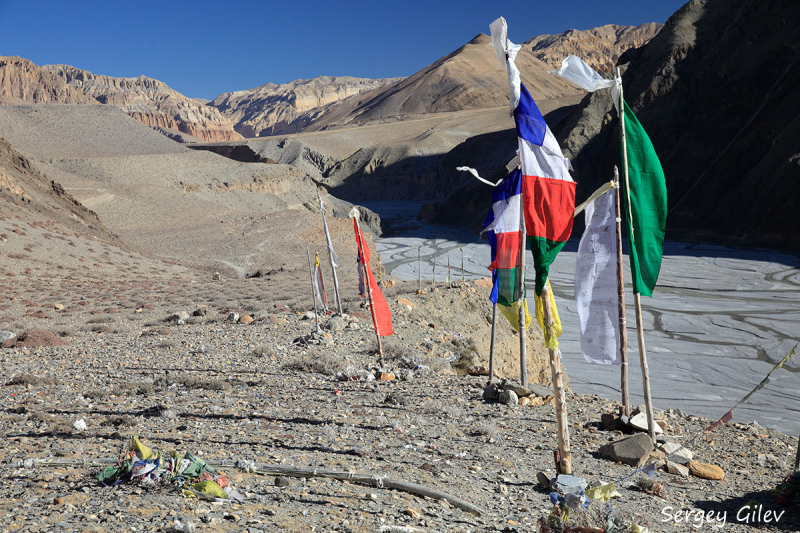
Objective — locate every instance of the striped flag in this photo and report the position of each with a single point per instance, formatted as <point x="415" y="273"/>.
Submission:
<point x="502" y="226"/>
<point x="319" y="286"/>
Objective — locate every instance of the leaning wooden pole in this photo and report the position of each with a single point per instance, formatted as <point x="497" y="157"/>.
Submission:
<point x="313" y="291"/>
<point x="419" y="269"/>
<point x="797" y="458"/>
<point x="491" y="345"/>
<point x="623" y="332"/>
<point x="331" y="256"/>
<point x="648" y="402"/>
<point x="523" y="356"/>
<point x="557" y="377"/>
<point x="462" y="265"/>
<point x="368" y="288"/>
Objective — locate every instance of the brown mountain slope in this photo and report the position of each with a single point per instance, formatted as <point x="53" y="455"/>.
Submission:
<point x="287" y="108"/>
<point x="599" y="47"/>
<point x="469" y="78"/>
<point x="717" y="92"/>
<point x="151" y="102"/>
<point x="22" y="81"/>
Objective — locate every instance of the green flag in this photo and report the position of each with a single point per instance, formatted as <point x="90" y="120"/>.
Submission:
<point x="647" y="214"/>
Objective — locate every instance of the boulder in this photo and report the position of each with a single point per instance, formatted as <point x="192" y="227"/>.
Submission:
<point x="675" y="468"/>
<point x="508" y="397"/>
<point x="336" y="323"/>
<point x="633" y="450"/>
<point x="639" y="422"/>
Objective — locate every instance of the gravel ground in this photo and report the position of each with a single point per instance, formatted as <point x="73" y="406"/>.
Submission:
<point x="224" y="390"/>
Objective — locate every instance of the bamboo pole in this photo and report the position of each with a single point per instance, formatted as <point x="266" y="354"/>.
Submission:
<point x="330" y="256"/>
<point x="313" y="291"/>
<point x="623" y="332"/>
<point x="491" y="345"/>
<point x="636" y="297"/>
<point x="557" y="377"/>
<point x="365" y="269"/>
<point x="523" y="356"/>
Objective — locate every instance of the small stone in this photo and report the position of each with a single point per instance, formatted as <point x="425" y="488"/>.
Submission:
<point x="610" y="421"/>
<point x="5" y="335"/>
<point x="706" y="471"/>
<point x="246" y="319"/>
<point x="385" y="376"/>
<point x="282" y="481"/>
<point x="413" y="513"/>
<point x="491" y="392"/>
<point x="630" y="450"/>
<point x="216" y="276"/>
<point x="233" y="317"/>
<point x="675" y="468"/>
<point x="58" y="501"/>
<point x="543" y="480"/>
<point x="336" y="323"/>
<point x="569" y="484"/>
<point x="508" y="397"/>
<point x="200" y="311"/>
<point x="640" y="422"/>
<point x="681" y="456"/>
<point x="58" y="307"/>
<point x="406" y="302"/>
<point x="524" y="401"/>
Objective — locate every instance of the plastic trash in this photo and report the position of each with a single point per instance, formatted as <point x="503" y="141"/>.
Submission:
<point x="80" y="425"/>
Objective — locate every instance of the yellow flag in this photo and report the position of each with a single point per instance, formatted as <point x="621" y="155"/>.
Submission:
<point x="511" y="312"/>
<point x="550" y="337"/>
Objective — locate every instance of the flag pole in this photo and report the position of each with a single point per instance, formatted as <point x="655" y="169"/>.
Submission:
<point x="523" y="356"/>
<point x="462" y="265"/>
<point x="623" y="332"/>
<point x="564" y="455"/>
<point x="419" y="269"/>
<point x="368" y="289"/>
<point x="448" y="271"/>
<point x="491" y="346"/>
<point x="636" y="296"/>
<point x="330" y="256"/>
<point x="433" y="283"/>
<point x="313" y="291"/>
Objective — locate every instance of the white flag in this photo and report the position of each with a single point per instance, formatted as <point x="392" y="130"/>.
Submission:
<point x="575" y="69"/>
<point x="596" y="283"/>
<point x="507" y="52"/>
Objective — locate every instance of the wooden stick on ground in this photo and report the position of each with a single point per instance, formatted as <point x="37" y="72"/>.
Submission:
<point x="282" y="470"/>
<point x="564" y="454"/>
<point x="623" y="331"/>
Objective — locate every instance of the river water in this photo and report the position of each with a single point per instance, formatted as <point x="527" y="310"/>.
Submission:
<point x="718" y="321"/>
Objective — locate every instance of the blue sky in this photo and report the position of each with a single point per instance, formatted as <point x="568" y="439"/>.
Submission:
<point x="204" y="48"/>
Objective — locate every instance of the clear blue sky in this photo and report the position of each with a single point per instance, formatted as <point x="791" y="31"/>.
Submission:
<point x="204" y="48"/>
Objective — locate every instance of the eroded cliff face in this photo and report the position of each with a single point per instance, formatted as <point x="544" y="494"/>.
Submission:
<point x="717" y="92"/>
<point x="149" y="101"/>
<point x="287" y="108"/>
<point x="599" y="47"/>
<point x="24" y="82"/>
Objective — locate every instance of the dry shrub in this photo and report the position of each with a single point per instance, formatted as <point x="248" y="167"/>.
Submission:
<point x="319" y="362"/>
<point x="466" y="352"/>
<point x="30" y="379"/>
<point x="198" y="383"/>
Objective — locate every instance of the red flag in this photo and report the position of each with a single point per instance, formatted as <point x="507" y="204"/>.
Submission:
<point x="381" y="316"/>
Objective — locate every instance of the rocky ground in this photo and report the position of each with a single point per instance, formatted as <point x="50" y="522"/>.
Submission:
<point x="227" y="390"/>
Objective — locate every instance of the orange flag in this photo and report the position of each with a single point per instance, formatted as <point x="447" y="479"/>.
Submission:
<point x="381" y="316"/>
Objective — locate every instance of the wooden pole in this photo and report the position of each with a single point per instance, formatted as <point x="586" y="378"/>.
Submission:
<point x="448" y="271"/>
<point x="330" y="256"/>
<point x="651" y="423"/>
<point x="797" y="459"/>
<point x="623" y="331"/>
<point x="523" y="356"/>
<point x="419" y="268"/>
<point x="462" y="265"/>
<point x="491" y="345"/>
<point x="433" y="283"/>
<point x="557" y="377"/>
<point x="368" y="289"/>
<point x="313" y="291"/>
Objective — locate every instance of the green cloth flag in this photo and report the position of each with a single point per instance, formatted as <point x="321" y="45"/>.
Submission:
<point x="647" y="214"/>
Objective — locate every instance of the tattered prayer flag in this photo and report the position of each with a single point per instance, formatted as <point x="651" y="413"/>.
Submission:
<point x="319" y="286"/>
<point x="382" y="316"/>
<point x="502" y="226"/>
<point x="552" y="334"/>
<point x="548" y="189"/>
<point x="647" y="212"/>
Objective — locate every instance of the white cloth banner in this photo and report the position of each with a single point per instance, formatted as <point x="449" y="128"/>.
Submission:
<point x="575" y="69"/>
<point x="596" y="284"/>
<point x="507" y="52"/>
